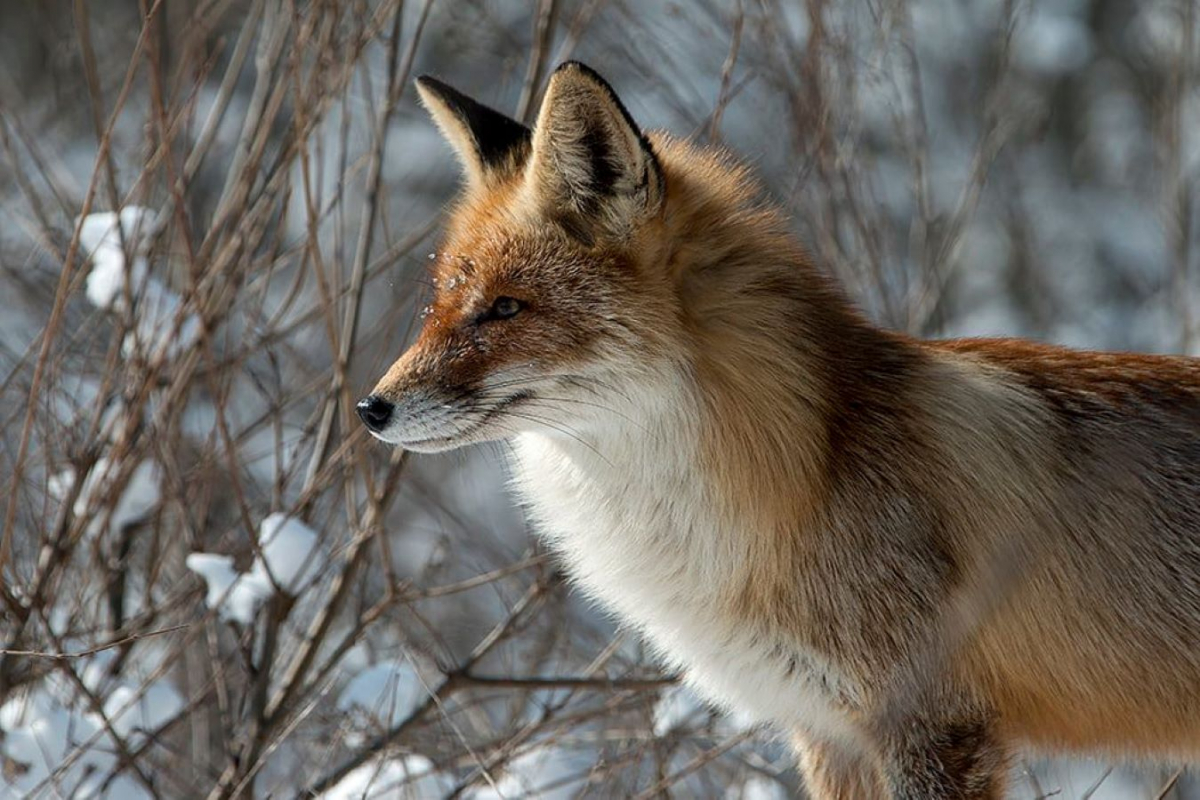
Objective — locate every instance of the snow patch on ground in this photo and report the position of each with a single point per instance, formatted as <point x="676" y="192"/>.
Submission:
<point x="41" y="729"/>
<point x="407" y="776"/>
<point x="381" y="694"/>
<point x="548" y="773"/>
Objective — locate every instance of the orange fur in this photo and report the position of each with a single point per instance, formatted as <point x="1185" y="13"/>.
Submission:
<point x="964" y="547"/>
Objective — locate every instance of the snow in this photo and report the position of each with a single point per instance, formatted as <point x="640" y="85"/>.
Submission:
<point x="100" y="237"/>
<point x="41" y="730"/>
<point x="139" y="497"/>
<point x="1098" y="288"/>
<point x="547" y="773"/>
<point x="407" y="776"/>
<point x="161" y="328"/>
<point x="675" y="708"/>
<point x="131" y="715"/>
<point x="155" y="331"/>
<point x="236" y="596"/>
<point x="679" y="707"/>
<point x="287" y="547"/>
<point x="382" y="694"/>
<point x="123" y="788"/>
<point x="758" y="787"/>
<point x="289" y="555"/>
<point x="217" y="571"/>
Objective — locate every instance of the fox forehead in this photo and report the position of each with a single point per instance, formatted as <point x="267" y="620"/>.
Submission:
<point x="487" y="253"/>
<point x="566" y="288"/>
<point x="492" y="257"/>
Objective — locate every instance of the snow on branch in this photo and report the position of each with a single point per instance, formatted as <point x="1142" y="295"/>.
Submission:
<point x="288" y="561"/>
<point x="161" y="325"/>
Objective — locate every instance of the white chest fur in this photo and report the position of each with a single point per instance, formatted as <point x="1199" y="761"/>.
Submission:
<point x="639" y="535"/>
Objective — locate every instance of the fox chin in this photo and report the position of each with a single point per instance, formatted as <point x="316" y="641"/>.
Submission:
<point x="914" y="558"/>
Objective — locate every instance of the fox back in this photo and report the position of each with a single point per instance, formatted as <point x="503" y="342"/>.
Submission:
<point x="913" y="557"/>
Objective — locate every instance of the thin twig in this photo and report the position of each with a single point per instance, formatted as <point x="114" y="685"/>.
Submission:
<point x="99" y="648"/>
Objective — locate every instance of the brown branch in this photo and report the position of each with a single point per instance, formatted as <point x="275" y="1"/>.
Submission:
<point x="695" y="764"/>
<point x="99" y="648"/>
<point x="592" y="684"/>
<point x="543" y="29"/>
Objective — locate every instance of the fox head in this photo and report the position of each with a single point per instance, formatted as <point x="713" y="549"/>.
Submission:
<point x="550" y="288"/>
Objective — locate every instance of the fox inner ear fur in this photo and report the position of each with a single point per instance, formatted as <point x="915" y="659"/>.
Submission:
<point x="592" y="169"/>
<point x="490" y="145"/>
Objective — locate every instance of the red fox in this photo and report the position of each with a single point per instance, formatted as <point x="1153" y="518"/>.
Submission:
<point x="912" y="557"/>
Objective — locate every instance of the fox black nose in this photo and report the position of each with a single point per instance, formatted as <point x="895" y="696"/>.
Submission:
<point x="375" y="412"/>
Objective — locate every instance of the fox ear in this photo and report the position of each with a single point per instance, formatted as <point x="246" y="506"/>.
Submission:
<point x="592" y="169"/>
<point x="489" y="144"/>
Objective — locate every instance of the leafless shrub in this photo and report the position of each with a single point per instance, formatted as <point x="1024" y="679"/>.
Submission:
<point x="214" y="584"/>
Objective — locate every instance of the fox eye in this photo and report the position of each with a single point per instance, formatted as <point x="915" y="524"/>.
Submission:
<point x="504" y="308"/>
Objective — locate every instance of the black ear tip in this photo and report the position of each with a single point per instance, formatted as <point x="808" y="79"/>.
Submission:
<point x="579" y="68"/>
<point x="431" y="84"/>
<point x="494" y="136"/>
<point x="443" y="91"/>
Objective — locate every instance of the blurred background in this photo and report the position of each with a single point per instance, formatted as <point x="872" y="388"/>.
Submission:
<point x="214" y="218"/>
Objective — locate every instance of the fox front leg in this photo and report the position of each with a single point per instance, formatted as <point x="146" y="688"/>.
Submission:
<point x="959" y="759"/>
<point x="837" y="771"/>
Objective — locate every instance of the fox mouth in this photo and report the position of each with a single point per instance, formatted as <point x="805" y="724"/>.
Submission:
<point x="448" y="441"/>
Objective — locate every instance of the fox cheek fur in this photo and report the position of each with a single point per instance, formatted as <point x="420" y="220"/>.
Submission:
<point x="913" y="557"/>
<point x="551" y="235"/>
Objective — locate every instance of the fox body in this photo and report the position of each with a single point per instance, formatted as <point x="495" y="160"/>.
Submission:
<point x="911" y="556"/>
